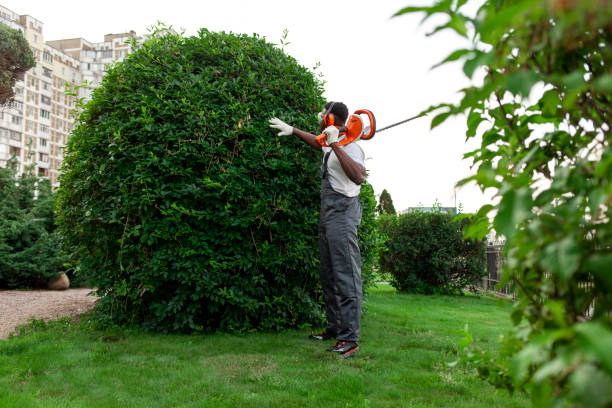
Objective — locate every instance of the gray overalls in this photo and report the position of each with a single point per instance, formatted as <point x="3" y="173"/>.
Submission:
<point x="340" y="260"/>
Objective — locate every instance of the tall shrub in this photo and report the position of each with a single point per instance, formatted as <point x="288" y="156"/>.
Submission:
<point x="179" y="203"/>
<point x="30" y="252"/>
<point x="543" y="106"/>
<point x="426" y="252"/>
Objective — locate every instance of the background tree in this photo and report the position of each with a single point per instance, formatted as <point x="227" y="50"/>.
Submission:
<point x="16" y="58"/>
<point x="385" y="204"/>
<point x="541" y="104"/>
<point x="30" y="253"/>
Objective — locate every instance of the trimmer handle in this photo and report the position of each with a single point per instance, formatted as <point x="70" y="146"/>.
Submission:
<point x="372" y="120"/>
<point x="322" y="138"/>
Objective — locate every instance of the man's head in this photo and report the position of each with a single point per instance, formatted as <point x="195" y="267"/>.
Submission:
<point x="338" y="109"/>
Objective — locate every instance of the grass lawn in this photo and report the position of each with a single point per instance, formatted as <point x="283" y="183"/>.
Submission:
<point x="406" y="339"/>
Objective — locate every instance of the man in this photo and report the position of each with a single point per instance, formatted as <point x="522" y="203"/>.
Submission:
<point x="343" y="171"/>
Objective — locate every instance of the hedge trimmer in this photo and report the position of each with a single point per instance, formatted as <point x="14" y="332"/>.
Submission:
<point x="356" y="128"/>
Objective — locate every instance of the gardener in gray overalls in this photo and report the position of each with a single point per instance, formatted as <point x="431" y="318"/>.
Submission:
<point x="342" y="172"/>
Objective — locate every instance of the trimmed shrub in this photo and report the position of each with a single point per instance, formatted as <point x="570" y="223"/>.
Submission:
<point x="180" y="204"/>
<point x="29" y="246"/>
<point x="426" y="253"/>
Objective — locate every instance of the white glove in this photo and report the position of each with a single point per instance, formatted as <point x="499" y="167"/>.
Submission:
<point x="285" y="129"/>
<point x="332" y="135"/>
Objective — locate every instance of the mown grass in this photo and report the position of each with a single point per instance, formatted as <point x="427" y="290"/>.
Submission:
<point x="406" y="340"/>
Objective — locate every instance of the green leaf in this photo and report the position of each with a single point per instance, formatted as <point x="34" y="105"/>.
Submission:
<point x="562" y="258"/>
<point x="479" y="59"/>
<point x="596" y="342"/>
<point x="455" y="55"/>
<point x="603" y="83"/>
<point x="438" y="119"/>
<point x="515" y="207"/>
<point x="550" y="103"/>
<point x="474" y="119"/>
<point x="457" y="23"/>
<point x="407" y="10"/>
<point x="520" y="83"/>
<point x="520" y="363"/>
<point x="573" y="80"/>
<point x="591" y="387"/>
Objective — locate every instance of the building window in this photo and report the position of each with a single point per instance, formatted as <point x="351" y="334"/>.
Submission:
<point x="45" y="114"/>
<point x="42" y="172"/>
<point x="47" y="57"/>
<point x="32" y="82"/>
<point x="35" y="38"/>
<point x="15" y="136"/>
<point x="29" y="126"/>
<point x="16" y="120"/>
<point x="43" y="142"/>
<point x="15" y="151"/>
<point x="46" y="85"/>
<point x="43" y="157"/>
<point x="44" y="128"/>
<point x="45" y="99"/>
<point x="47" y="72"/>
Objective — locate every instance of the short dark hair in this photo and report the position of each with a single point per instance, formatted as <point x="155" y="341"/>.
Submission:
<point x="339" y="110"/>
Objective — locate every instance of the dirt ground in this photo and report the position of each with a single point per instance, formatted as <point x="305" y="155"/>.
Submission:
<point x="17" y="307"/>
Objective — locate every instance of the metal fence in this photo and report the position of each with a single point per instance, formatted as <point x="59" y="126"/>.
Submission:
<point x="495" y="262"/>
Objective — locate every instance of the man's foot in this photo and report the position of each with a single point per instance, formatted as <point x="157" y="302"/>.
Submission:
<point x="345" y="348"/>
<point x="324" y="335"/>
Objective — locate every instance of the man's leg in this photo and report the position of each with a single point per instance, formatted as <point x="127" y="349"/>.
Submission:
<point x="332" y="309"/>
<point x="341" y="233"/>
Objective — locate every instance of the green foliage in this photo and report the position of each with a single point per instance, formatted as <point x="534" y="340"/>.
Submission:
<point x="427" y="253"/>
<point x="385" y="205"/>
<point x="371" y="241"/>
<point x="16" y="58"/>
<point x="543" y="112"/>
<point x="29" y="245"/>
<point x="179" y="203"/>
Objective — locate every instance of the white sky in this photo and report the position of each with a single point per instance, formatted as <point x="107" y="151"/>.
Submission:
<point x="368" y="59"/>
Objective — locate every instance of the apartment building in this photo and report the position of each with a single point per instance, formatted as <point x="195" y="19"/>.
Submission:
<point x="36" y="126"/>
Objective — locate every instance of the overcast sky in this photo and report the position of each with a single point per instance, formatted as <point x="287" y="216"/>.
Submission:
<point x="368" y="60"/>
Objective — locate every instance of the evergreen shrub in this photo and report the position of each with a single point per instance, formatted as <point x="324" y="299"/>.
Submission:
<point x="427" y="253"/>
<point x="30" y="253"/>
<point x="177" y="200"/>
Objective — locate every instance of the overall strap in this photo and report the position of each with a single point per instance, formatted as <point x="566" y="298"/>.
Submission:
<point x="325" y="160"/>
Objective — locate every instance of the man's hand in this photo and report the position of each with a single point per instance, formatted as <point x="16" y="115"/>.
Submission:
<point x="332" y="135"/>
<point x="285" y="129"/>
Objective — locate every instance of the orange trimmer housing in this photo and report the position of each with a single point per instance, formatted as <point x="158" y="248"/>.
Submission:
<point x="353" y="130"/>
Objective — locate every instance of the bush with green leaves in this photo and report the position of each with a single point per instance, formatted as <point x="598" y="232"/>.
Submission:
<point x="371" y="241"/>
<point x="426" y="252"/>
<point x="541" y="103"/>
<point x="30" y="250"/>
<point x="177" y="200"/>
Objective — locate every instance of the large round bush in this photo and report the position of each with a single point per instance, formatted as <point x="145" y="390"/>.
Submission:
<point x="180" y="204"/>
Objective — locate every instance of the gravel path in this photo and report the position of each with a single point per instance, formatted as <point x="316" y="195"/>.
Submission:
<point x="17" y="307"/>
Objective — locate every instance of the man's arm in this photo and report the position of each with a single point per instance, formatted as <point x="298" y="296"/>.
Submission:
<point x="355" y="171"/>
<point x="309" y="138"/>
<point x="286" y="130"/>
